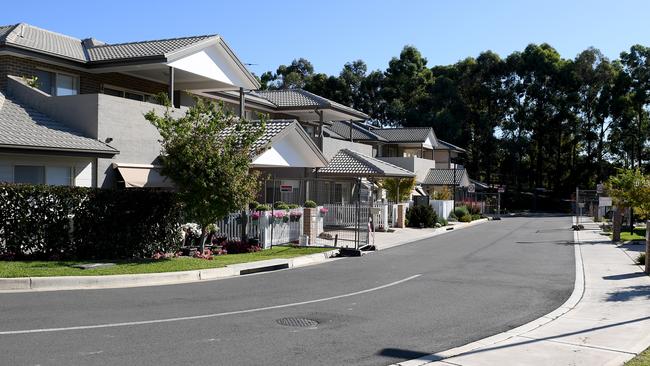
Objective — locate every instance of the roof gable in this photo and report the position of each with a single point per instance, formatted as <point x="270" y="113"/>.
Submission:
<point x="445" y="177"/>
<point x="299" y="99"/>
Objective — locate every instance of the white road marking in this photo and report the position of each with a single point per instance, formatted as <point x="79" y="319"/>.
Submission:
<point x="206" y="316"/>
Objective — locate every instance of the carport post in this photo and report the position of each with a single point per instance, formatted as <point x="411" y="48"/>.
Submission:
<point x="171" y="86"/>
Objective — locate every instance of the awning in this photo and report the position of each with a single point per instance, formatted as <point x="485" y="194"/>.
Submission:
<point x="142" y="175"/>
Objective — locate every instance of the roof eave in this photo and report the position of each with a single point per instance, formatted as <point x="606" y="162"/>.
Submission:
<point x="29" y="149"/>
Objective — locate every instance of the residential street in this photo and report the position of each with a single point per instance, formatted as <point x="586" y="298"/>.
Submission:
<point x="386" y="307"/>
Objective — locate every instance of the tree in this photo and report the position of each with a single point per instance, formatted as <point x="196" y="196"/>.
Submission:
<point x="631" y="188"/>
<point x="207" y="154"/>
<point x="296" y="75"/>
<point x="405" y="88"/>
<point x="398" y="186"/>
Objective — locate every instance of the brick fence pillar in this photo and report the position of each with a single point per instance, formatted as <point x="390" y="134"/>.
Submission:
<point x="310" y="225"/>
<point x="401" y="215"/>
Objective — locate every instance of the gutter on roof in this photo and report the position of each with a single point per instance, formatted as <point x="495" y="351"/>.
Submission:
<point x="33" y="150"/>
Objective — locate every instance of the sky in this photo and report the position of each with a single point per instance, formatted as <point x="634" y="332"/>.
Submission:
<point x="330" y="33"/>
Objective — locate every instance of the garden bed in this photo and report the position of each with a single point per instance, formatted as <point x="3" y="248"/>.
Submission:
<point x="13" y="269"/>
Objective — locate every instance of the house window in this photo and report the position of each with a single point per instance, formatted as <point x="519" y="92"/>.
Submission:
<point x="58" y="175"/>
<point x="57" y="84"/>
<point x="35" y="174"/>
<point x="129" y="94"/>
<point x="29" y="174"/>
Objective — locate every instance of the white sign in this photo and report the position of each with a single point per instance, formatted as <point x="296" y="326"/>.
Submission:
<point x="471" y="188"/>
<point x="599" y="188"/>
<point x="605" y="202"/>
<point x="502" y="189"/>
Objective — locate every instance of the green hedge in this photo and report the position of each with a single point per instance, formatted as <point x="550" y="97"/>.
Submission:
<point x="38" y="221"/>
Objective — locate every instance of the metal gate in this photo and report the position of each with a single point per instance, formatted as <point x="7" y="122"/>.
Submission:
<point x="344" y="208"/>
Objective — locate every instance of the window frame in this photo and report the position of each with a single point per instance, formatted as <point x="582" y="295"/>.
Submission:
<point x="146" y="97"/>
<point x="76" y="80"/>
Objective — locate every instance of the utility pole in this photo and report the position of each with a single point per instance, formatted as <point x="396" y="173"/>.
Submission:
<point x="577" y="207"/>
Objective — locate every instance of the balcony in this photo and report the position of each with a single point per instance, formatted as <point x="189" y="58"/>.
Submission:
<point x="417" y="165"/>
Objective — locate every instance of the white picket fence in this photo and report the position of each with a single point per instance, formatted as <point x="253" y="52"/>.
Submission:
<point x="269" y="230"/>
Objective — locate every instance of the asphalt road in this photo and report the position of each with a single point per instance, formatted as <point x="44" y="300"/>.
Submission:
<point x="385" y="307"/>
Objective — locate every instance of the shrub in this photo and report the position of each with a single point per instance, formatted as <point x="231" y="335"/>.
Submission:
<point x="253" y="205"/>
<point x="421" y="216"/>
<point x="292" y="206"/>
<point x="310" y="204"/>
<point x="465" y="218"/>
<point x="279" y="205"/>
<point x="239" y="247"/>
<point x="40" y="221"/>
<point x="640" y="259"/>
<point x="476" y="217"/>
<point x="442" y="221"/>
<point x="262" y="208"/>
<point x="461" y="211"/>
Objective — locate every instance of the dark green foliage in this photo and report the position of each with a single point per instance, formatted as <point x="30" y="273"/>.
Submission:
<point x="421" y="216"/>
<point x="310" y="204"/>
<point x="279" y="205"/>
<point x="461" y="211"/>
<point x="74" y="222"/>
<point x="465" y="218"/>
<point x="640" y="259"/>
<point x="264" y="207"/>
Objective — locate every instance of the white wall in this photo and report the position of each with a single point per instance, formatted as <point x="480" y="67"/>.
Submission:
<point x="81" y="168"/>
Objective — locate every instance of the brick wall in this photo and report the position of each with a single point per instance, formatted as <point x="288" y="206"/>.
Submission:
<point x="89" y="83"/>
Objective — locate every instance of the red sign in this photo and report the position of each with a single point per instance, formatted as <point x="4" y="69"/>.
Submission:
<point x="286" y="188"/>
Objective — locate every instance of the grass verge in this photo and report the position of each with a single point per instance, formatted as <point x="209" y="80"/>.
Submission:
<point x="12" y="269"/>
<point x="643" y="359"/>
<point x="639" y="234"/>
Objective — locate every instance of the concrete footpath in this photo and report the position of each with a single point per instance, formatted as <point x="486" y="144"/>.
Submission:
<point x="605" y="321"/>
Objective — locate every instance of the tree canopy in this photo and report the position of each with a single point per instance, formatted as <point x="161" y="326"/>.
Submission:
<point x="207" y="154"/>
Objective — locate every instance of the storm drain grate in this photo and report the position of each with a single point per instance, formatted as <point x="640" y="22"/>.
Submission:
<point x="297" y="322"/>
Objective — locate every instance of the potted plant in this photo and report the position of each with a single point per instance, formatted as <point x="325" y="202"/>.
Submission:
<point x="323" y="211"/>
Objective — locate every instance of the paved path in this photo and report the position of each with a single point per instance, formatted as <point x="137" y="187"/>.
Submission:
<point x="382" y="308"/>
<point x="607" y="324"/>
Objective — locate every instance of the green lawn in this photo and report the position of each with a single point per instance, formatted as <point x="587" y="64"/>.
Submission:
<point x="639" y="234"/>
<point x="642" y="359"/>
<point x="10" y="269"/>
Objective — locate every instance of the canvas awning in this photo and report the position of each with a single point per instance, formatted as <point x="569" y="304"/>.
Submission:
<point x="142" y="175"/>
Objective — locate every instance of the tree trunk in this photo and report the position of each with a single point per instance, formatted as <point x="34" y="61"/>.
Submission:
<point x="647" y="246"/>
<point x="616" y="224"/>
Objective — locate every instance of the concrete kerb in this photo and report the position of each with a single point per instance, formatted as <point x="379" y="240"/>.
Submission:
<point x="27" y="284"/>
<point x="568" y="305"/>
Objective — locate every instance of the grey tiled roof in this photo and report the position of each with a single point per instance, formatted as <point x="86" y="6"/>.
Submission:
<point x="354" y="164"/>
<point x="273" y="128"/>
<point x="142" y="49"/>
<point x="443" y="177"/>
<point x="342" y="128"/>
<point x="24" y="127"/>
<point x="447" y="146"/>
<point x="28" y="36"/>
<point x="407" y="134"/>
<point x="292" y="99"/>
<point x="45" y="41"/>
